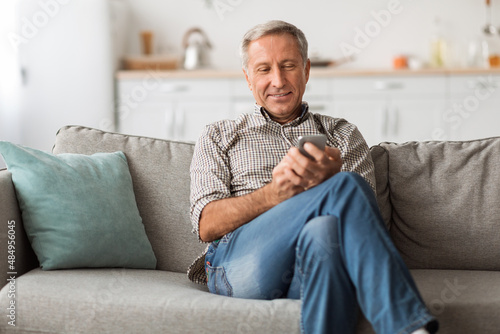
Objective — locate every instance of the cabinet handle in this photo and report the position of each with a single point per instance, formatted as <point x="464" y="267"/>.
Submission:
<point x="384" y="122"/>
<point x="394" y="119"/>
<point x="389" y="122"/>
<point x="169" y="89"/>
<point x="388" y="85"/>
<point x="474" y="84"/>
<point x="169" y="123"/>
<point x="179" y="124"/>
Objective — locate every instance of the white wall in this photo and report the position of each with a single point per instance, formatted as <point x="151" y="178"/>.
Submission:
<point x="326" y="23"/>
<point x="9" y="81"/>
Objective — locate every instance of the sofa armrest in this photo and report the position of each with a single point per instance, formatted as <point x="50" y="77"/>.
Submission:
<point x="22" y="258"/>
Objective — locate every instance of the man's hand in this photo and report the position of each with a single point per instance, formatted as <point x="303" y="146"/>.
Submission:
<point x="297" y="173"/>
<point x="282" y="186"/>
<point x="307" y="173"/>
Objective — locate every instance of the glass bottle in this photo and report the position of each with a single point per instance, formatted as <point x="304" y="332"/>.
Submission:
<point x="438" y="46"/>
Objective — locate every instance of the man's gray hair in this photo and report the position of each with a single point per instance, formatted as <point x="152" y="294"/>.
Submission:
<point x="275" y="27"/>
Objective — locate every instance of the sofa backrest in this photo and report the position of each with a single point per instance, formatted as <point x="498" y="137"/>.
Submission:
<point x="160" y="174"/>
<point x="441" y="201"/>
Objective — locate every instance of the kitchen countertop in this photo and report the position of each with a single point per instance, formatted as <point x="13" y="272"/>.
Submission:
<point x="316" y="72"/>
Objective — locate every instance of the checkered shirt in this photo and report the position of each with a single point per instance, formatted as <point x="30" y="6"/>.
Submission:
<point x="236" y="157"/>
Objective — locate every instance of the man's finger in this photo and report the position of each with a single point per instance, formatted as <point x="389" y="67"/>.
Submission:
<point x="333" y="153"/>
<point x="315" y="152"/>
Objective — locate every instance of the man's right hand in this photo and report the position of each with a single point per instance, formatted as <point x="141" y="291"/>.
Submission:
<point x="282" y="186"/>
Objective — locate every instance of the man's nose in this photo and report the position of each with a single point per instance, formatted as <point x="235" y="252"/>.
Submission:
<point x="278" y="79"/>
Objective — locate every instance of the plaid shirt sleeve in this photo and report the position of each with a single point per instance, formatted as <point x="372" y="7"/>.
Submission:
<point x="356" y="155"/>
<point x="210" y="173"/>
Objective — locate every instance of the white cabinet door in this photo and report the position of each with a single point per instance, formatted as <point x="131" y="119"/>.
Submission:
<point x="396" y="109"/>
<point x="396" y="121"/>
<point x="242" y="101"/>
<point x="367" y="115"/>
<point x="318" y="95"/>
<point x="415" y="120"/>
<point x="153" y="120"/>
<point x="171" y="108"/>
<point x="474" y="108"/>
<point x="192" y="117"/>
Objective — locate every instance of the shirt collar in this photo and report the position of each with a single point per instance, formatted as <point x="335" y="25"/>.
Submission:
<point x="305" y="112"/>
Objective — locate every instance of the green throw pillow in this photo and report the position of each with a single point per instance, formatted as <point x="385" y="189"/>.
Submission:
<point x="79" y="210"/>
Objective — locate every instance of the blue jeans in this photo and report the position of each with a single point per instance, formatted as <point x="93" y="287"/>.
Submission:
<point x="327" y="246"/>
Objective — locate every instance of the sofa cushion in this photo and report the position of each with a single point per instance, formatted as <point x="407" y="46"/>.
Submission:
<point x="445" y="202"/>
<point x="160" y="176"/>
<point x="78" y="210"/>
<point x="145" y="301"/>
<point x="464" y="301"/>
<point x="137" y="301"/>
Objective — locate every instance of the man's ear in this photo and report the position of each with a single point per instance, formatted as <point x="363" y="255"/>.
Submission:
<point x="307" y="69"/>
<point x="248" y="80"/>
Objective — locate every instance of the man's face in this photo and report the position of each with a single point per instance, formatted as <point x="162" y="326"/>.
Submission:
<point x="276" y="76"/>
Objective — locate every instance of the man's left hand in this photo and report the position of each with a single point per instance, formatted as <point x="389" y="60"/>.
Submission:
<point x="310" y="173"/>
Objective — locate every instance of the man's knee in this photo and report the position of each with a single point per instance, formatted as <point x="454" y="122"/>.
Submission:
<point x="319" y="236"/>
<point x="344" y="182"/>
<point x="349" y="177"/>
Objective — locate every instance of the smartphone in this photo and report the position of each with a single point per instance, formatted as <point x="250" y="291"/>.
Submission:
<point x="318" y="140"/>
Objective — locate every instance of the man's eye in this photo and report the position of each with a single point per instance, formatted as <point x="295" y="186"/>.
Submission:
<point x="263" y="69"/>
<point x="289" y="67"/>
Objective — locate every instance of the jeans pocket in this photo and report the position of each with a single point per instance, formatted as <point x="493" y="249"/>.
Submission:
<point x="217" y="281"/>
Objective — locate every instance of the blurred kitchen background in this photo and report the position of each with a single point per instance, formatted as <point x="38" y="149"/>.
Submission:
<point x="400" y="70"/>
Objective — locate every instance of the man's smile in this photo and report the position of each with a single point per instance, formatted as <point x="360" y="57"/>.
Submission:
<point x="280" y="95"/>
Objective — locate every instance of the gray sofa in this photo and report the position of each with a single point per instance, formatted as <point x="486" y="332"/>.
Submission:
<point x="440" y="200"/>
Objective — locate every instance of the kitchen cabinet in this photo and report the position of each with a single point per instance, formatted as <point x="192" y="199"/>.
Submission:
<point x="318" y="95"/>
<point x="242" y="100"/>
<point x="192" y="117"/>
<point x="474" y="108"/>
<point x="394" y="106"/>
<point x="171" y="108"/>
<point x="391" y="108"/>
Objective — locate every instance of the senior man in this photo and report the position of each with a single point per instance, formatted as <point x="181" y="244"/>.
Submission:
<point x="281" y="224"/>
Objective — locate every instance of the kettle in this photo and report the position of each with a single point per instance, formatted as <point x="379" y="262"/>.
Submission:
<point x="196" y="51"/>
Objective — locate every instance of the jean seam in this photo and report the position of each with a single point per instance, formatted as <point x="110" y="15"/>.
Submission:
<point x="229" y="288"/>
<point x="299" y="265"/>
<point x="224" y="281"/>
